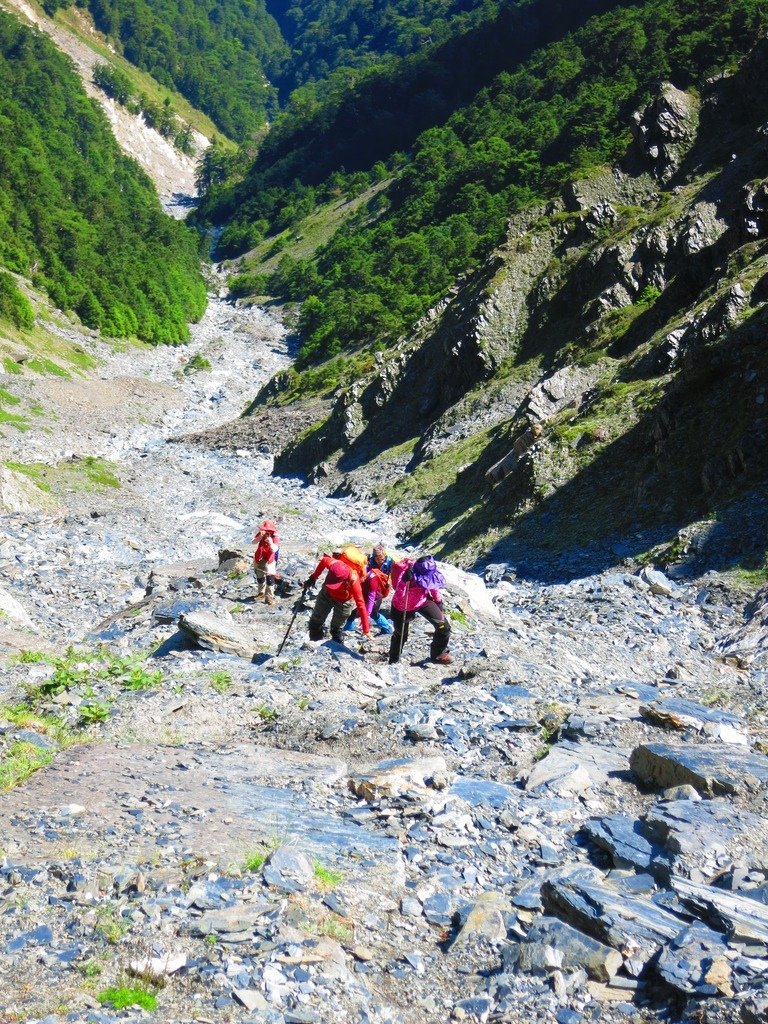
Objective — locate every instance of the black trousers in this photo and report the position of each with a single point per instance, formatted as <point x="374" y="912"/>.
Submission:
<point x="433" y="613"/>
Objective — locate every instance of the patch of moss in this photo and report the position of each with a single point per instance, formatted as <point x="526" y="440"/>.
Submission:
<point x="41" y="364"/>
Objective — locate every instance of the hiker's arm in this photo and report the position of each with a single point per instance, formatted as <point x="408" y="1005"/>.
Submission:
<point x="357" y="594"/>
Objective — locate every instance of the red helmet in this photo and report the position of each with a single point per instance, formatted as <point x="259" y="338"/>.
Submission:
<point x="268" y="526"/>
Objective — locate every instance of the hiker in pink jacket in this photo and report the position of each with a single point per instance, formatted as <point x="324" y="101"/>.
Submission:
<point x="417" y="589"/>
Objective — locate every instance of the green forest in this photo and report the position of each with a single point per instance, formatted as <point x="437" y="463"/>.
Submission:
<point x="220" y="54"/>
<point x="459" y="166"/>
<point x="77" y="217"/>
<point x="346" y="34"/>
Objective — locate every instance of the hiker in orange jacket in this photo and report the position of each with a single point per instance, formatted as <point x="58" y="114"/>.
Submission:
<point x="341" y="592"/>
<point x="265" y="560"/>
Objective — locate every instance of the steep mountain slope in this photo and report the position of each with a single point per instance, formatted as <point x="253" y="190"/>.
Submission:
<point x="218" y="55"/>
<point x="172" y="170"/>
<point x="327" y="38"/>
<point x="600" y="376"/>
<point x="77" y="216"/>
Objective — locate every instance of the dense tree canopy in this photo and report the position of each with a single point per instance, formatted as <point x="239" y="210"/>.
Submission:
<point x="76" y="215"/>
<point x="348" y="34"/>
<point x="538" y="119"/>
<point x="220" y="54"/>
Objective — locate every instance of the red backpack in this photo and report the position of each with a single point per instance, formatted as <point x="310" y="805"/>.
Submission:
<point x="383" y="581"/>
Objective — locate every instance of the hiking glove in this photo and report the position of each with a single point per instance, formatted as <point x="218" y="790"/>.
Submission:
<point x="307" y="583"/>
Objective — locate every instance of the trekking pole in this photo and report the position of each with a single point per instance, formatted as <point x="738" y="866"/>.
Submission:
<point x="402" y="627"/>
<point x="296" y="609"/>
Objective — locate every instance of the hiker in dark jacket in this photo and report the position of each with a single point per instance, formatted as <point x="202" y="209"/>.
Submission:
<point x="341" y="592"/>
<point x="417" y="589"/>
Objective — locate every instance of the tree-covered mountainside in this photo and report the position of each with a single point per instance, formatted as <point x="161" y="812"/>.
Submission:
<point x="77" y="216"/>
<point x="535" y="121"/>
<point x="353" y="33"/>
<point x="220" y="54"/>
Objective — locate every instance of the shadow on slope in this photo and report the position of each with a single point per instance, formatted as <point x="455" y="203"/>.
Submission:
<point x="699" y="449"/>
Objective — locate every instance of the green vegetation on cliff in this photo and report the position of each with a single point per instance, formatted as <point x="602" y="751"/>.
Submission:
<point x="77" y="217"/>
<point x="218" y="54"/>
<point x="468" y="140"/>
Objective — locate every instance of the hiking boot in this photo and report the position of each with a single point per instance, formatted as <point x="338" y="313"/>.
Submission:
<point x="270" y="598"/>
<point x="442" y="659"/>
<point x="336" y="635"/>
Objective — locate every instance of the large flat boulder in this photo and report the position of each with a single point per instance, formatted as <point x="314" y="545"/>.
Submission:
<point x="677" y="713"/>
<point x="217" y="633"/>
<point x="570" y="769"/>
<point x="620" y="919"/>
<point x="711" y="769"/>
<point x="742" y="919"/>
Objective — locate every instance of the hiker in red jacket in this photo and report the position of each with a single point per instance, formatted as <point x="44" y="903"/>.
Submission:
<point x="341" y="592"/>
<point x="265" y="560"/>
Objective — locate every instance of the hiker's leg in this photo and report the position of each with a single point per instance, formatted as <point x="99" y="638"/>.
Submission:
<point x="349" y="625"/>
<point x="323" y="608"/>
<point x="399" y="638"/>
<point x="260" y="572"/>
<point x="341" y="612"/>
<point x="270" y="592"/>
<point x="434" y="614"/>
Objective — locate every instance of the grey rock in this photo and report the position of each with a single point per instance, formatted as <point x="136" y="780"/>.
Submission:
<point x="676" y="713"/>
<point x="485" y="920"/>
<point x="658" y="582"/>
<point x="289" y="870"/>
<point x="743" y="920"/>
<point x="623" y="838"/>
<point x="572" y="768"/>
<point x="696" y="962"/>
<point x="694" y="832"/>
<point x="231" y="920"/>
<point x="217" y="633"/>
<point x="617" y="918"/>
<point x="666" y="129"/>
<point x="748" y="645"/>
<point x="711" y="769"/>
<point x="576" y="949"/>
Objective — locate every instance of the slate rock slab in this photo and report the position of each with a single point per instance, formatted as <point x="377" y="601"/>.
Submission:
<point x="231" y="919"/>
<point x="577" y="950"/>
<point x="627" y="922"/>
<point x="696" y="962"/>
<point x="693" y="833"/>
<point x="742" y="919"/>
<point x="215" y="633"/>
<point x="711" y="769"/>
<point x="623" y="839"/>
<point x="677" y="713"/>
<point x="572" y="768"/>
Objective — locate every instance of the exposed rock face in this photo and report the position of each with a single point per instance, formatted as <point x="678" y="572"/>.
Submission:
<point x="666" y="130"/>
<point x="748" y="645"/>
